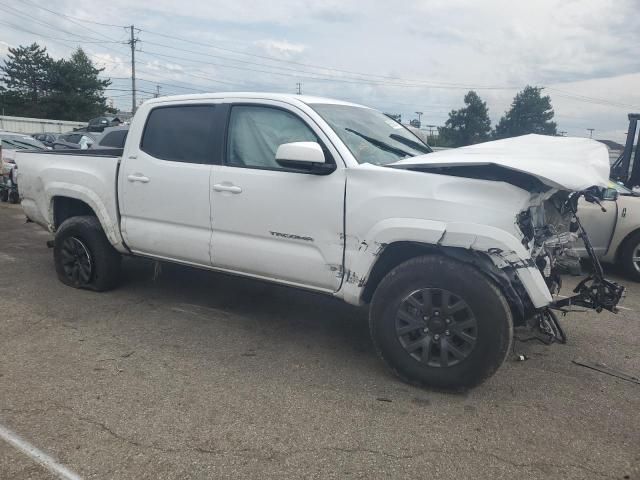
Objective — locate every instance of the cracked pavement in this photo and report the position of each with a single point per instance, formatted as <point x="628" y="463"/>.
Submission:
<point x="202" y="375"/>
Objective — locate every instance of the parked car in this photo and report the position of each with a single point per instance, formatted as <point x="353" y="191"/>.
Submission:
<point x="47" y="139"/>
<point x="615" y="233"/>
<point x="75" y="141"/>
<point x="100" y="123"/>
<point x="10" y="143"/>
<point x="334" y="198"/>
<point x="112" y="137"/>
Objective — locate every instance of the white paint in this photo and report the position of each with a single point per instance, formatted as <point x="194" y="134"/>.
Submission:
<point x="308" y="152"/>
<point x="566" y="163"/>
<point x="38" y="455"/>
<point x="288" y="227"/>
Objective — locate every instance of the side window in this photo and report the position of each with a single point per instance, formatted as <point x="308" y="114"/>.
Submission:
<point x="114" y="139"/>
<point x="180" y="133"/>
<point x="255" y="133"/>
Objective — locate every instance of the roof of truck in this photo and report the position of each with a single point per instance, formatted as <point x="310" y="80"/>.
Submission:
<point x="285" y="97"/>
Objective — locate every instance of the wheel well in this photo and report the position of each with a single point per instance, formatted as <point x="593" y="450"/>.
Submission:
<point x="392" y="256"/>
<point x="66" y="207"/>
<point x="396" y="253"/>
<point x="624" y="242"/>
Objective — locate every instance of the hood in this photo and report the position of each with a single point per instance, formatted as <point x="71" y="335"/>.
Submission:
<point x="565" y="163"/>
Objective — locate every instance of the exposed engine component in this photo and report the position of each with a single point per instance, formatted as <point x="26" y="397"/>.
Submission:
<point x="550" y="231"/>
<point x="549" y="234"/>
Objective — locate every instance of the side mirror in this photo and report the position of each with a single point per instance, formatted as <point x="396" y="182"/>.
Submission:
<point x="610" y="194"/>
<point x="304" y="156"/>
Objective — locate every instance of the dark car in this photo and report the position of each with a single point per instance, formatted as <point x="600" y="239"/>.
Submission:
<point x="100" y="123"/>
<point x="112" y="137"/>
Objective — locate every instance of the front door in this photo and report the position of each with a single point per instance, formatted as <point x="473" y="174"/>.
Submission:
<point x="599" y="225"/>
<point x="270" y="221"/>
<point x="164" y="185"/>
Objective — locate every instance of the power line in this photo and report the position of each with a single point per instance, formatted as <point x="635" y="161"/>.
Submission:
<point x="71" y="18"/>
<point x="365" y="74"/>
<point x="22" y="29"/>
<point x="392" y="81"/>
<point x="18" y="13"/>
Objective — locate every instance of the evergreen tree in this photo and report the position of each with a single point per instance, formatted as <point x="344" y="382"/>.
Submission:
<point x="35" y="85"/>
<point x="530" y="112"/>
<point x="466" y="126"/>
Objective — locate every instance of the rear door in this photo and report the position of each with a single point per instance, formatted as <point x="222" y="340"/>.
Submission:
<point x="164" y="184"/>
<point x="270" y="221"/>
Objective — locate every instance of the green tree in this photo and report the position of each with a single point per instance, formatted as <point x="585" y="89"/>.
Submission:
<point x="530" y="112"/>
<point x="78" y="90"/>
<point x="468" y="125"/>
<point x="35" y="85"/>
<point x="26" y="78"/>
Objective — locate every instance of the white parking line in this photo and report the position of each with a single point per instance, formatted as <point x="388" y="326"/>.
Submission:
<point x="39" y="456"/>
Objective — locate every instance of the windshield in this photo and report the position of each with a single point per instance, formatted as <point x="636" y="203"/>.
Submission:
<point x="622" y="190"/>
<point x="371" y="136"/>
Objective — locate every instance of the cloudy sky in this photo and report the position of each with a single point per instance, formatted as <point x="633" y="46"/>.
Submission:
<point x="400" y="56"/>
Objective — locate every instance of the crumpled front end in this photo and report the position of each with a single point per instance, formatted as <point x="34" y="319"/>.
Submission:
<point x="550" y="230"/>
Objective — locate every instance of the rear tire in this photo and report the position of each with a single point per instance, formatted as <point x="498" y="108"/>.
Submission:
<point x="630" y="250"/>
<point x="440" y="323"/>
<point x="83" y="256"/>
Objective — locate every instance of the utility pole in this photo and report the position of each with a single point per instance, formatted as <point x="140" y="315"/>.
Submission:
<point x="133" y="42"/>
<point x="431" y="129"/>
<point x="299" y="88"/>
<point x="157" y="94"/>
<point x="590" y="130"/>
<point x="419" y="117"/>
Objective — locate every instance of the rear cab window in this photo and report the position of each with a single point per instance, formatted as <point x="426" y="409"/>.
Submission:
<point x="180" y="133"/>
<point x="114" y="139"/>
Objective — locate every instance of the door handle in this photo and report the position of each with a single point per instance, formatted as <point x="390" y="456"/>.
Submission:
<point x="221" y="187"/>
<point x="138" y="177"/>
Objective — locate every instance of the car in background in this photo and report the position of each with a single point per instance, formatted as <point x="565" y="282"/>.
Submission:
<point x="98" y="124"/>
<point x="47" y="138"/>
<point x="75" y="141"/>
<point x="614" y="232"/>
<point x="12" y="142"/>
<point x="112" y="137"/>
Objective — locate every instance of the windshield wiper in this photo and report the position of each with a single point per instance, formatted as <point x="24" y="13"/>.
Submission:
<point x="380" y="144"/>
<point x="411" y="143"/>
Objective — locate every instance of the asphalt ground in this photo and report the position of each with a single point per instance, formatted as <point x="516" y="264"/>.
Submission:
<point x="199" y="375"/>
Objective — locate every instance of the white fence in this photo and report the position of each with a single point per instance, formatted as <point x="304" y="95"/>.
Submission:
<point x="37" y="125"/>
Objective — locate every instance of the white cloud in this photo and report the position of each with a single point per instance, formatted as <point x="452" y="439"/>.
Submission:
<point x="280" y="48"/>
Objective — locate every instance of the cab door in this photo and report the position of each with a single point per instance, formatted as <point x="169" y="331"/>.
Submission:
<point x="164" y="182"/>
<point x="270" y="221"/>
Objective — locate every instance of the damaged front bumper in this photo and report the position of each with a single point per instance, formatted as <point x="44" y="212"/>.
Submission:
<point x="595" y="291"/>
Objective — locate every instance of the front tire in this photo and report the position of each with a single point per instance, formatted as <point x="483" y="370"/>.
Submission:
<point x="83" y="256"/>
<point x="438" y="322"/>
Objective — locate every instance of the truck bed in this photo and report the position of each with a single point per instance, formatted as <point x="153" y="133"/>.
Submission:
<point x="88" y="176"/>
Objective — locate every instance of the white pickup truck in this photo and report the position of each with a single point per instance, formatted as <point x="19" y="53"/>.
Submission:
<point x="451" y="250"/>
